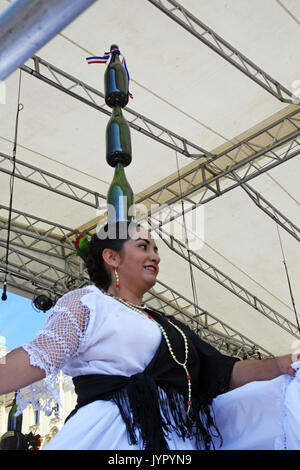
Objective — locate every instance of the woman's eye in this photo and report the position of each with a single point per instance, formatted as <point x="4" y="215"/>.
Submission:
<point x="143" y="245"/>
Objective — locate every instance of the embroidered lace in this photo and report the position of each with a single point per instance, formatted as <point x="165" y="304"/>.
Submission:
<point x="51" y="348"/>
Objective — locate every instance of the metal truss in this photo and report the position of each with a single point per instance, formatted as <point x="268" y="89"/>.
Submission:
<point x="193" y="25"/>
<point x="281" y="141"/>
<point x="165" y="212"/>
<point x="38" y="228"/>
<point x="213" y="177"/>
<point x="39" y="251"/>
<point x="49" y="270"/>
<point x="218" y="174"/>
<point x="86" y="94"/>
<point x="42" y="252"/>
<point x="221" y="278"/>
<point x="48" y="261"/>
<point x="49" y="181"/>
<point x="271" y="211"/>
<point x="163" y="204"/>
<point x="42" y="244"/>
<point x="271" y="146"/>
<point x="206" y="325"/>
<point x="27" y="284"/>
<point x="26" y="264"/>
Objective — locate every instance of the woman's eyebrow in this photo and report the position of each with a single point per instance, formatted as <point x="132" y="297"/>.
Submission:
<point x="147" y="241"/>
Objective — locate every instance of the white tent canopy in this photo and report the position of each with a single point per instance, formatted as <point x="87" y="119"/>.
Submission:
<point x="211" y="125"/>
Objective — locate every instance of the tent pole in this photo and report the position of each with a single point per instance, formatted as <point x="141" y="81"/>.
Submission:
<point x="27" y="25"/>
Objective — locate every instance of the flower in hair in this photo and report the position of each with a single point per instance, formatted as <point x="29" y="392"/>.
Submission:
<point x="81" y="245"/>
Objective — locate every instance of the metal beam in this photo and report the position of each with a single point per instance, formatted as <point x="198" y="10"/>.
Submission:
<point x="38" y="230"/>
<point x="59" y="274"/>
<point x="54" y="274"/>
<point x="26" y="263"/>
<point x="203" y="323"/>
<point x="46" y="180"/>
<point x="210" y="38"/>
<point x="27" y="25"/>
<point x="221" y="278"/>
<point x="63" y="279"/>
<point x="214" y="172"/>
<point x="161" y="202"/>
<point x="27" y="284"/>
<point x="226" y="171"/>
<point x="66" y="83"/>
<point x="271" y="210"/>
<point x="39" y="226"/>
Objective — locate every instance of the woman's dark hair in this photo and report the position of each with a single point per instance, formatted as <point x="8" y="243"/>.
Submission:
<point x="111" y="236"/>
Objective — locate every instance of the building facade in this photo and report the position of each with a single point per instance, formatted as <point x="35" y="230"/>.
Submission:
<point x="35" y="421"/>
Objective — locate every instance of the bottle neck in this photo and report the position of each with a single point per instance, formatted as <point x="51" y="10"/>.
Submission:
<point x="15" y="399"/>
<point x="117" y="112"/>
<point x="120" y="179"/>
<point x="119" y="173"/>
<point x="115" y="58"/>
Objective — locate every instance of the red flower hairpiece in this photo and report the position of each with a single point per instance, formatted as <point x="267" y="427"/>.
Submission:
<point x="82" y="246"/>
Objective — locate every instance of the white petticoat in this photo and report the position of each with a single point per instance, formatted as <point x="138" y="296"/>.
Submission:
<point x="91" y="333"/>
<point x="261" y="415"/>
<point x="258" y="416"/>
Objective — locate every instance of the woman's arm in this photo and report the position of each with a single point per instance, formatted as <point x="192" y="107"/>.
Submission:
<point x="266" y="369"/>
<point x="16" y="371"/>
<point x="58" y="341"/>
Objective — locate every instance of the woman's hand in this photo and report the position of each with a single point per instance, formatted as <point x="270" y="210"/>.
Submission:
<point x="266" y="369"/>
<point x="284" y="363"/>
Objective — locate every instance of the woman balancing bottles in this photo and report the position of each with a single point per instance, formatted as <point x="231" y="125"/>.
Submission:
<point x="115" y="81"/>
<point x="118" y="141"/>
<point x="120" y="198"/>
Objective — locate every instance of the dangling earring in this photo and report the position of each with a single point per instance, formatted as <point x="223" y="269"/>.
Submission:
<point x="117" y="279"/>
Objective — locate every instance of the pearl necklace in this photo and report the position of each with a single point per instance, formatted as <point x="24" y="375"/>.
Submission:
<point x="186" y="350"/>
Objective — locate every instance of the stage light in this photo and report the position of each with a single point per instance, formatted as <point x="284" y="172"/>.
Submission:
<point x="43" y="302"/>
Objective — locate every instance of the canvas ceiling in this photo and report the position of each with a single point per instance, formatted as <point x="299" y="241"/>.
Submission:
<point x="180" y="83"/>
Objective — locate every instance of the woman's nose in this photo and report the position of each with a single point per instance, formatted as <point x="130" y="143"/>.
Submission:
<point x="155" y="257"/>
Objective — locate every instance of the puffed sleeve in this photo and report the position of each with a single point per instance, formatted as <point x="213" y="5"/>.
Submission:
<point x="57" y="342"/>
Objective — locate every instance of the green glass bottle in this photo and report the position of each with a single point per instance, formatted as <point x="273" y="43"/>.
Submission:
<point x="14" y="422"/>
<point x="120" y="199"/>
<point x="118" y="140"/>
<point x="115" y="81"/>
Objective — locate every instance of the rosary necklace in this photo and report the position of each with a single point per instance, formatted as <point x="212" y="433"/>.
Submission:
<point x="183" y="364"/>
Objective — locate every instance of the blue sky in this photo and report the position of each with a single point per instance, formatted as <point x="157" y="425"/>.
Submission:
<point x="18" y="320"/>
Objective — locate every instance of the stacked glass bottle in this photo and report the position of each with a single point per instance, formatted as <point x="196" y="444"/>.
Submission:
<point x="120" y="198"/>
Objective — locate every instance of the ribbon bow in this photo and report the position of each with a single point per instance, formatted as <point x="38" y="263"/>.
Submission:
<point x="104" y="59"/>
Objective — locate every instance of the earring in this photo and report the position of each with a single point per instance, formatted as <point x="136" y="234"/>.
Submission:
<point x="117" y="279"/>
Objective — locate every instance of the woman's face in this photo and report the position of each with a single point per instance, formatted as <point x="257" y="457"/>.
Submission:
<point x="139" y="261"/>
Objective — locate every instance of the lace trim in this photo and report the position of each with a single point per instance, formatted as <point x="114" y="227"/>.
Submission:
<point x="63" y="334"/>
<point x="43" y="396"/>
<point x="281" y="441"/>
<point x="86" y="301"/>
